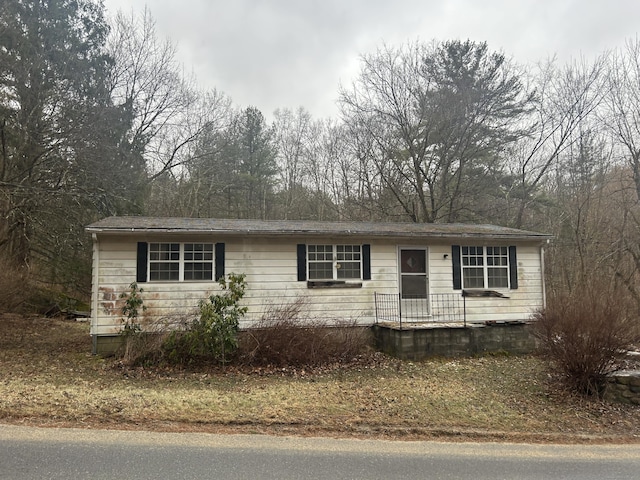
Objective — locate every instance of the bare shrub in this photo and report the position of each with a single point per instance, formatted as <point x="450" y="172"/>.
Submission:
<point x="145" y="347"/>
<point x="287" y="336"/>
<point x="585" y="332"/>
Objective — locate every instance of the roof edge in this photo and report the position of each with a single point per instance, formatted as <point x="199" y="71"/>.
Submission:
<point x="199" y="226"/>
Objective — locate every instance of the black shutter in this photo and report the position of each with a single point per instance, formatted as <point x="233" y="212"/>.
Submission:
<point x="219" y="261"/>
<point x="513" y="268"/>
<point x="457" y="268"/>
<point x="141" y="262"/>
<point x="366" y="262"/>
<point x="302" y="262"/>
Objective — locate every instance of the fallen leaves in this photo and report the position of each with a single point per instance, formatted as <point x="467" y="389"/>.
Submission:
<point x="46" y="375"/>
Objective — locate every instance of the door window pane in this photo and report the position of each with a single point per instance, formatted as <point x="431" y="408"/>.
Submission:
<point x="414" y="286"/>
<point x="413" y="261"/>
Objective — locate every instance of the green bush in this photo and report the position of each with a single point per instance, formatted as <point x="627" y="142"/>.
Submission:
<point x="131" y="328"/>
<point x="214" y="335"/>
<point x="131" y="310"/>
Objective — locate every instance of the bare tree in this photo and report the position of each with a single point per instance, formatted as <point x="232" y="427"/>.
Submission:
<point x="438" y="117"/>
<point x="623" y="101"/>
<point x="167" y="113"/>
<point x="293" y="133"/>
<point x="54" y="115"/>
<point x="582" y="192"/>
<point x="565" y="98"/>
<point x="622" y="117"/>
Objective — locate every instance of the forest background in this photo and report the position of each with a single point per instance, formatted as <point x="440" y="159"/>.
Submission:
<point x="98" y="118"/>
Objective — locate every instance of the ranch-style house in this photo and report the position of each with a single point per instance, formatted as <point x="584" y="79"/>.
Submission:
<point x="361" y="272"/>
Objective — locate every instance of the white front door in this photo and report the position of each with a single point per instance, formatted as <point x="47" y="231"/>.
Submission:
<point x="414" y="282"/>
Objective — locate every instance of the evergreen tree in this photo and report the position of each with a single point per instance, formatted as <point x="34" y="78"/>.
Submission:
<point x="57" y="126"/>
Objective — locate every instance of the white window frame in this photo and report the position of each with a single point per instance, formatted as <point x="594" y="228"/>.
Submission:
<point x="337" y="258"/>
<point x="486" y="258"/>
<point x="181" y="261"/>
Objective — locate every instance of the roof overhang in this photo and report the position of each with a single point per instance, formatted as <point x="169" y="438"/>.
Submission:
<point x="132" y="225"/>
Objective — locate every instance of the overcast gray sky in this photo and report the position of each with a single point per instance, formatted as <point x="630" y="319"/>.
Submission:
<point x="290" y="53"/>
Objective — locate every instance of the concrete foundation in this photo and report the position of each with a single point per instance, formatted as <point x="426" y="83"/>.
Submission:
<point x="106" y="345"/>
<point x="415" y="342"/>
<point x="433" y="340"/>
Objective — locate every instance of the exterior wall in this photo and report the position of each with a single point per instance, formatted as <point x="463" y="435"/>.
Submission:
<point x="115" y="270"/>
<point x="271" y="269"/>
<point x="519" y="304"/>
<point x="270" y="266"/>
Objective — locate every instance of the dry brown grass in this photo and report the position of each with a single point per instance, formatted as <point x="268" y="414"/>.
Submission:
<point x="48" y="377"/>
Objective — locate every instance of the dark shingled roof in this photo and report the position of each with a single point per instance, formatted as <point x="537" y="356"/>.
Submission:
<point x="129" y="224"/>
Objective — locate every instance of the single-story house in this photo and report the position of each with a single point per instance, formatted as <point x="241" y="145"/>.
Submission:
<point x="344" y="270"/>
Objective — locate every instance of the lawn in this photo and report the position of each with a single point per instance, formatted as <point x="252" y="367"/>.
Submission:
<point x="48" y="377"/>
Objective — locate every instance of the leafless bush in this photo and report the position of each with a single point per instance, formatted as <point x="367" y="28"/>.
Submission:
<point x="585" y="333"/>
<point x="146" y="347"/>
<point x="286" y="336"/>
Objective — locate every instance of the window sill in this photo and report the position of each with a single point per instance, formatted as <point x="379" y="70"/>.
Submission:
<point x="333" y="284"/>
<point x="179" y="281"/>
<point x="483" y="293"/>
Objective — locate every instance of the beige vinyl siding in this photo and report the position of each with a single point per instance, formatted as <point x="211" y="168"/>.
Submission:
<point x="522" y="302"/>
<point x="167" y="302"/>
<point x="271" y="269"/>
<point x="270" y="266"/>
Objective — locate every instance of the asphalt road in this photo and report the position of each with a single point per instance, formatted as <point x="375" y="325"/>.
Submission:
<point x="35" y="453"/>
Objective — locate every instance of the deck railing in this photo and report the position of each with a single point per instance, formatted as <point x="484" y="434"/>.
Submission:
<point x="437" y="308"/>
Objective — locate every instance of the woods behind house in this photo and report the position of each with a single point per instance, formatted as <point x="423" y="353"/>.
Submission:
<point x="98" y="118"/>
